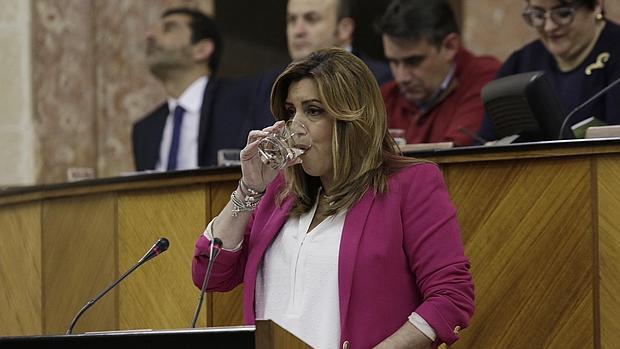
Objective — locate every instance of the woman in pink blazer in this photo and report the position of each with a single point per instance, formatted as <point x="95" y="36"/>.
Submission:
<point x="351" y="245"/>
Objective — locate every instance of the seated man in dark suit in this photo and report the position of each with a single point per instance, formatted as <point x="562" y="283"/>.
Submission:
<point x="312" y="25"/>
<point x="316" y="24"/>
<point x="202" y="113"/>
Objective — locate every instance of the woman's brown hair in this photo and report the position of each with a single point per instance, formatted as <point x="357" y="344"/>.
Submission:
<point x="363" y="152"/>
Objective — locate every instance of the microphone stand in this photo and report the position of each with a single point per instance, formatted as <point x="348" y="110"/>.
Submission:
<point x="214" y="250"/>
<point x="160" y="246"/>
<point x="584" y="104"/>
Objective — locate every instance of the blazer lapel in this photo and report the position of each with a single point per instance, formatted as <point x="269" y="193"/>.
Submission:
<point x="157" y="133"/>
<point x="354" y="225"/>
<point x="270" y="230"/>
<point x="205" y="119"/>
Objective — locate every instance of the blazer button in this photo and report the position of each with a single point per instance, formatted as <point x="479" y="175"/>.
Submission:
<point x="457" y="329"/>
<point x="345" y="345"/>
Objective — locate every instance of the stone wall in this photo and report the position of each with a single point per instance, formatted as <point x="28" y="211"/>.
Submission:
<point x="91" y="82"/>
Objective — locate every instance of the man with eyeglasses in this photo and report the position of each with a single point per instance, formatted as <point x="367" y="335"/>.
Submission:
<point x="578" y="49"/>
<point x="435" y="95"/>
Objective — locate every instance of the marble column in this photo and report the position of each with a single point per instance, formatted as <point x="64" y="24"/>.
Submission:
<point x="18" y="146"/>
<point x="64" y="92"/>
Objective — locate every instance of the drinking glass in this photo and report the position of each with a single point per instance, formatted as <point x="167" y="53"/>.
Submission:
<point x="280" y="148"/>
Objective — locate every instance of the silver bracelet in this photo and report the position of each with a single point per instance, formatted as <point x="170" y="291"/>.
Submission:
<point x="247" y="191"/>
<point x="248" y="203"/>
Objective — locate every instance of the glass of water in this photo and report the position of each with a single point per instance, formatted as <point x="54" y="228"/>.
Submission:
<point x="279" y="149"/>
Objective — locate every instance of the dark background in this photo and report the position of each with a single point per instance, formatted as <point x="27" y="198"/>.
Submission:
<point x="255" y="37"/>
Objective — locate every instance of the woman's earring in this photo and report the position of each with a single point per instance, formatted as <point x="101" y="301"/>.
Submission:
<point x="599" y="16"/>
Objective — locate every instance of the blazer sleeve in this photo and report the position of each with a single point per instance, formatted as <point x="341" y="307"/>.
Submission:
<point x="228" y="269"/>
<point x="436" y="255"/>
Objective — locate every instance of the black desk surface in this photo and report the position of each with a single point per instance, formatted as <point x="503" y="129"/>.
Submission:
<point x="223" y="337"/>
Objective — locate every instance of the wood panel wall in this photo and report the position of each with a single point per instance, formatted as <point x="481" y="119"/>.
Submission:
<point x="527" y="229"/>
<point x="20" y="270"/>
<point x="79" y="260"/>
<point x="65" y="247"/>
<point x="541" y="229"/>
<point x="608" y="185"/>
<point x="160" y="295"/>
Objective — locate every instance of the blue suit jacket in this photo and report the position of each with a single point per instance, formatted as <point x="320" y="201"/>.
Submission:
<point x="225" y="119"/>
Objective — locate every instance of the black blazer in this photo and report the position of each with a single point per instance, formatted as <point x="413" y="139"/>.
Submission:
<point x="380" y="69"/>
<point x="225" y="120"/>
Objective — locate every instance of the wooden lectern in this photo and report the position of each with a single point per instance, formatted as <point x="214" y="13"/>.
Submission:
<point x="539" y="222"/>
<point x="265" y="335"/>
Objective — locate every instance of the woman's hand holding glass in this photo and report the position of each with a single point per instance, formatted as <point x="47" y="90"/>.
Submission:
<point x="272" y="149"/>
<point x="283" y="147"/>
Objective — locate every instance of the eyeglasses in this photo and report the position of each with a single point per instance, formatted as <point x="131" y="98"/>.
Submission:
<point x="561" y="16"/>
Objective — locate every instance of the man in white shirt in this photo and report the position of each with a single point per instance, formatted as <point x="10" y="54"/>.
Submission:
<point x="202" y="113"/>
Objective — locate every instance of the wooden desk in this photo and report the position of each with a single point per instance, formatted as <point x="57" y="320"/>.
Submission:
<point x="265" y="335"/>
<point x="540" y="223"/>
<point x="62" y="244"/>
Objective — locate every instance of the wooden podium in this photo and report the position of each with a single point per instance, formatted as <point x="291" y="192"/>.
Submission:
<point x="540" y="223"/>
<point x="265" y="335"/>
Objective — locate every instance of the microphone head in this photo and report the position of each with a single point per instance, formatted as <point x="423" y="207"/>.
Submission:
<point x="162" y="244"/>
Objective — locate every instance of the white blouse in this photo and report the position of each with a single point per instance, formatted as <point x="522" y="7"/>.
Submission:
<point x="297" y="285"/>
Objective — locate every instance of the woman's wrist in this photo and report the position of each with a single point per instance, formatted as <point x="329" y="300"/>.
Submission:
<point x="244" y="198"/>
<point x="251" y="190"/>
<point x="247" y="190"/>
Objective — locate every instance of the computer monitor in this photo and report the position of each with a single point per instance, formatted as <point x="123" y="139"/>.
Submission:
<point x="524" y="104"/>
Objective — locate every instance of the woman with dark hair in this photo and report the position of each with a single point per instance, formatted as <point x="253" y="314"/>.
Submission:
<point x="578" y="50"/>
<point x="352" y="244"/>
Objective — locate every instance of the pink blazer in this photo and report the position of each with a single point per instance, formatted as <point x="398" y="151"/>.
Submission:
<point x="400" y="252"/>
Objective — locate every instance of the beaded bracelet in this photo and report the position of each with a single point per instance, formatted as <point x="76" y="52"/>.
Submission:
<point x="247" y="191"/>
<point x="248" y="203"/>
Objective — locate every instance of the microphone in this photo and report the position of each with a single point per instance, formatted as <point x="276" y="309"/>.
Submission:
<point x="473" y="135"/>
<point x="585" y="104"/>
<point x="214" y="250"/>
<point x="160" y="246"/>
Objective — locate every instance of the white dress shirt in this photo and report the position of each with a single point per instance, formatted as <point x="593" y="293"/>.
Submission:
<point x="191" y="101"/>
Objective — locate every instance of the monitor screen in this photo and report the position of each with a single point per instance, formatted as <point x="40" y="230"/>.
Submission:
<point x="526" y="105"/>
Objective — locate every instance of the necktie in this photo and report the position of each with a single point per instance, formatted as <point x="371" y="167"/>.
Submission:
<point x="176" y="137"/>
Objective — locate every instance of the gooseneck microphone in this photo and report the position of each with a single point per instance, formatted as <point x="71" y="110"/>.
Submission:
<point x="585" y="104"/>
<point x="214" y="250"/>
<point x="160" y="246"/>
